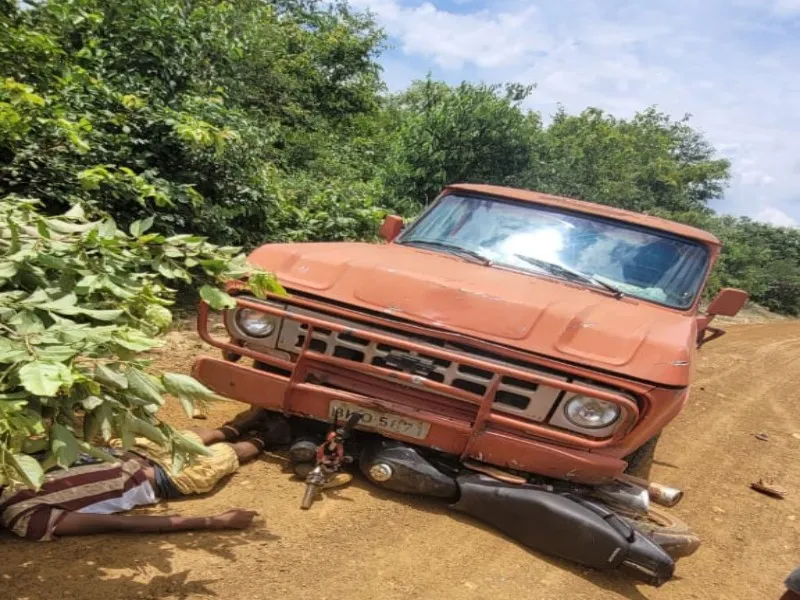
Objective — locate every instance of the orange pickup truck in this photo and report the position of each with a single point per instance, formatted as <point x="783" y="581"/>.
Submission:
<point x="537" y="340"/>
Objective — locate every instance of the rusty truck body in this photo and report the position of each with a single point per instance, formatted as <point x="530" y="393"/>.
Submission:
<point x="540" y="335"/>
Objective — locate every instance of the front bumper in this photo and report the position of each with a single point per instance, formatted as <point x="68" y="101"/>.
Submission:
<point x="461" y="423"/>
<point x="268" y="390"/>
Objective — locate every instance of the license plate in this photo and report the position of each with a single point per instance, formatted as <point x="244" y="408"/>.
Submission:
<point x="379" y="421"/>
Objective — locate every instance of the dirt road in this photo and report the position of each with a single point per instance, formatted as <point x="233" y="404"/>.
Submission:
<point x="361" y="543"/>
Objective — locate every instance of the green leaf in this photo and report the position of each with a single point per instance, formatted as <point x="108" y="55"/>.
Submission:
<point x="64" y="227"/>
<point x="27" y="322"/>
<point x="135" y="341"/>
<point x="178" y="460"/>
<point x="75" y="212"/>
<point x="116" y="289"/>
<point x="216" y="298"/>
<point x="142" y="386"/>
<point x="55" y="353"/>
<point x="64" y="445"/>
<point x="190" y="446"/>
<point x="39" y="296"/>
<point x="49" y="461"/>
<point x="104" y="418"/>
<point x="128" y="440"/>
<point x="141" y="427"/>
<point x="7" y="269"/>
<point x="91" y="402"/>
<point x="27" y="421"/>
<point x="261" y="283"/>
<point x="187" y="404"/>
<point x="35" y="445"/>
<point x="43" y="229"/>
<point x="29" y="470"/>
<point x="139" y="227"/>
<point x="165" y="269"/>
<point x="184" y="385"/>
<point x="102" y="315"/>
<point x="110" y="378"/>
<point x="11" y="351"/>
<point x="159" y="316"/>
<point x="45" y="378"/>
<point x="64" y="305"/>
<point x="97" y="452"/>
<point x="87" y="285"/>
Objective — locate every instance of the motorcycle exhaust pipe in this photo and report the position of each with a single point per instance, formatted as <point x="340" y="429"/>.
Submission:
<point x="658" y="492"/>
<point x="308" y="497"/>
<point x="625" y="494"/>
<point x="664" y="495"/>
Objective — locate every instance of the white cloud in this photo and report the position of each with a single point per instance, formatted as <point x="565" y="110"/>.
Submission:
<point x="775" y="216"/>
<point x="453" y="40"/>
<point x="787" y="6"/>
<point x="730" y="63"/>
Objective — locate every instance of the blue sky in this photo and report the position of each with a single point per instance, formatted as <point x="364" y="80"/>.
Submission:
<point x="733" y="64"/>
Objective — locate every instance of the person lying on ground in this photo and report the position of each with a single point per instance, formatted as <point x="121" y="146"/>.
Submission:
<point x="83" y="500"/>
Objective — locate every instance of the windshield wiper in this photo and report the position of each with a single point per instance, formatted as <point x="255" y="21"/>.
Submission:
<point x="561" y="271"/>
<point x="474" y="256"/>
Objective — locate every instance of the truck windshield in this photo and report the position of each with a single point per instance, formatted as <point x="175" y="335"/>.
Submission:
<point x="595" y="251"/>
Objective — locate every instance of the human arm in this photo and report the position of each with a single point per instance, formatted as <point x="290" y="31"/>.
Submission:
<point x="74" y="523"/>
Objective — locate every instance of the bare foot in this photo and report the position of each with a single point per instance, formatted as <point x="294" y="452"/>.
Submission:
<point x="237" y="518"/>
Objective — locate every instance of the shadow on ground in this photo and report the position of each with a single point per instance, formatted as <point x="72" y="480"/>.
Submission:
<point x="113" y="567"/>
<point x="610" y="581"/>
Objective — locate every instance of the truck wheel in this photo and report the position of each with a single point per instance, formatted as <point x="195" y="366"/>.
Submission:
<point x="639" y="461"/>
<point x="666" y="530"/>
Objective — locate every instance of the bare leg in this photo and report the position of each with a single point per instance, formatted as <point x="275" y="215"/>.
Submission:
<point x="248" y="450"/>
<point x="87" y="524"/>
<point x="276" y="431"/>
<point x="209" y="436"/>
<point x="243" y="422"/>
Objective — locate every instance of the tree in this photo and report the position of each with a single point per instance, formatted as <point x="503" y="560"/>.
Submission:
<point x="215" y="110"/>
<point x="645" y="164"/>
<point x="468" y="133"/>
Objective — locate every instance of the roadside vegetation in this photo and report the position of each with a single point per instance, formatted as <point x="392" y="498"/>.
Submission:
<point x="142" y="142"/>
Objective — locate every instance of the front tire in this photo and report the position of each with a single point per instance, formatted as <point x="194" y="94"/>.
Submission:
<point x="666" y="530"/>
<point x="640" y="461"/>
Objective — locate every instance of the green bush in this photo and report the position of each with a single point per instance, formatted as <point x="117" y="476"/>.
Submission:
<point x="81" y="303"/>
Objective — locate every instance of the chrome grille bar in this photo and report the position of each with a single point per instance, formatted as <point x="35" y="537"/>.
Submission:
<point x="523" y="398"/>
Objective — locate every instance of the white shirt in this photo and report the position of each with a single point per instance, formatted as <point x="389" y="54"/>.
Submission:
<point x="140" y="495"/>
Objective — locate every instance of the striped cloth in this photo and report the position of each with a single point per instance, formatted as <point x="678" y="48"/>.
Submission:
<point x="34" y="515"/>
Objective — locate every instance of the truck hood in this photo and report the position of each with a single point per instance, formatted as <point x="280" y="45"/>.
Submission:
<point x="536" y="314"/>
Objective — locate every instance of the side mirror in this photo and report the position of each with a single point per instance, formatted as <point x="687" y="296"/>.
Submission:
<point x="391" y="228"/>
<point x="728" y="302"/>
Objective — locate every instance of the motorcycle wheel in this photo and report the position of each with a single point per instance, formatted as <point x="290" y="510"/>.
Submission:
<point x="641" y="460"/>
<point x="666" y="530"/>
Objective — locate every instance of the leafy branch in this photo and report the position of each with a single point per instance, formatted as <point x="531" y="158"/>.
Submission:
<point x="81" y="304"/>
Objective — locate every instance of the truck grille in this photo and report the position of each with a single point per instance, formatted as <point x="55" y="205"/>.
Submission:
<point x="519" y="397"/>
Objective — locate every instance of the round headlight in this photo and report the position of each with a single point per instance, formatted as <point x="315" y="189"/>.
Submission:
<point x="255" y="323"/>
<point x="591" y="413"/>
